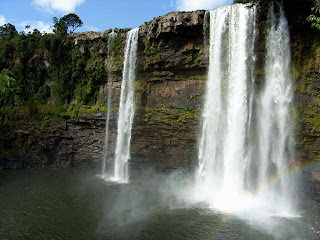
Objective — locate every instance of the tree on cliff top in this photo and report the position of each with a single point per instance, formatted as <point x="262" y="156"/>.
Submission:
<point x="8" y="30"/>
<point x="67" y="24"/>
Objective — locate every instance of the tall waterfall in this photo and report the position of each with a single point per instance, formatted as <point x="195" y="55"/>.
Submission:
<point x="112" y="36"/>
<point x="245" y="136"/>
<point x="275" y="141"/>
<point x="126" y="109"/>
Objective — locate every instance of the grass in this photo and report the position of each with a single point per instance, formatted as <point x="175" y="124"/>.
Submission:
<point x="46" y="113"/>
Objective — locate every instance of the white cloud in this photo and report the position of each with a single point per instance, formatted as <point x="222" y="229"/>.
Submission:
<point x="41" y="26"/>
<point x="64" y="6"/>
<point x="90" y="28"/>
<point x="2" y="20"/>
<point x="189" y="5"/>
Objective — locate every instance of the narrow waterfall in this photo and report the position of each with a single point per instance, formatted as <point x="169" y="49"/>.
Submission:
<point x="126" y="108"/>
<point x="245" y="136"/>
<point x="112" y="36"/>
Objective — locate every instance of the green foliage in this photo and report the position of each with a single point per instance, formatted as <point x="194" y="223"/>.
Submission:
<point x="50" y="66"/>
<point x="74" y="111"/>
<point x="170" y="116"/>
<point x="95" y="74"/>
<point x="60" y="70"/>
<point x="314" y="18"/>
<point x="72" y="22"/>
<point x="8" y="87"/>
<point x="117" y="50"/>
<point x="59" y="27"/>
<point x="152" y="52"/>
<point x="7" y="82"/>
<point x="43" y="94"/>
<point x="67" y="24"/>
<point x="7" y="31"/>
<point x="195" y="55"/>
<point x="32" y="111"/>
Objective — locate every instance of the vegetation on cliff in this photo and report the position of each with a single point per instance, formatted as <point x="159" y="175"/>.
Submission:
<point x="48" y="68"/>
<point x="314" y="18"/>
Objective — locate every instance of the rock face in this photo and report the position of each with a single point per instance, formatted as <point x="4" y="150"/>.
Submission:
<point x="60" y="144"/>
<point x="166" y="136"/>
<point x="170" y="85"/>
<point x="173" y="23"/>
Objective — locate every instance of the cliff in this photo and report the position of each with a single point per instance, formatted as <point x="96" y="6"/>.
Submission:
<point x="170" y="85"/>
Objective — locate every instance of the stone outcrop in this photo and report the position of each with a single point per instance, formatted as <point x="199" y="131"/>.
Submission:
<point x="62" y="143"/>
<point x="91" y="36"/>
<point x="182" y="23"/>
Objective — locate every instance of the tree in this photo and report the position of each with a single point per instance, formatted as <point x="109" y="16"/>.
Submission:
<point x="27" y="28"/>
<point x="8" y="30"/>
<point x="7" y="86"/>
<point x="67" y="24"/>
<point x="72" y="21"/>
<point x="59" y="27"/>
<point x="6" y="82"/>
<point x="36" y="32"/>
<point x="314" y="18"/>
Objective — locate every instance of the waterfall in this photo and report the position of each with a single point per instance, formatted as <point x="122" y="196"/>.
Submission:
<point x="275" y="132"/>
<point x="245" y="134"/>
<point x="126" y="109"/>
<point x="112" y="36"/>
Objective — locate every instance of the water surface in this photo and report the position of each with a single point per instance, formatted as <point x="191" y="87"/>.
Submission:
<point x="75" y="204"/>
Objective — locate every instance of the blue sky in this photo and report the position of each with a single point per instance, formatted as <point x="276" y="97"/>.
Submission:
<point x="97" y="15"/>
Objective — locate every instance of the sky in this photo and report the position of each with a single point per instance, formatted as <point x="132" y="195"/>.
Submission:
<point x="97" y="15"/>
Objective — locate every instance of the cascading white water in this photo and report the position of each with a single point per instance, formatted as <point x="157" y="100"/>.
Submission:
<point x="126" y="109"/>
<point x="112" y="36"/>
<point x="275" y="139"/>
<point x="245" y="136"/>
<point x="222" y="142"/>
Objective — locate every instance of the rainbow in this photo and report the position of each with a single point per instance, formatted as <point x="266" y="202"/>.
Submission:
<point x="274" y="180"/>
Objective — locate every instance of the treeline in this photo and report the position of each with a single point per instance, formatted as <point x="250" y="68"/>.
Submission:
<point x="42" y="68"/>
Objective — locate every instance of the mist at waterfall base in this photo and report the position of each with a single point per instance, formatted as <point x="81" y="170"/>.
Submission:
<point x="75" y="204"/>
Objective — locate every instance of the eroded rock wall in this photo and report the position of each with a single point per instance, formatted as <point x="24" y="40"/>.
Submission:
<point x="170" y="86"/>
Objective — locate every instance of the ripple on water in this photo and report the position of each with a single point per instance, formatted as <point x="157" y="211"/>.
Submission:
<point x="75" y="204"/>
